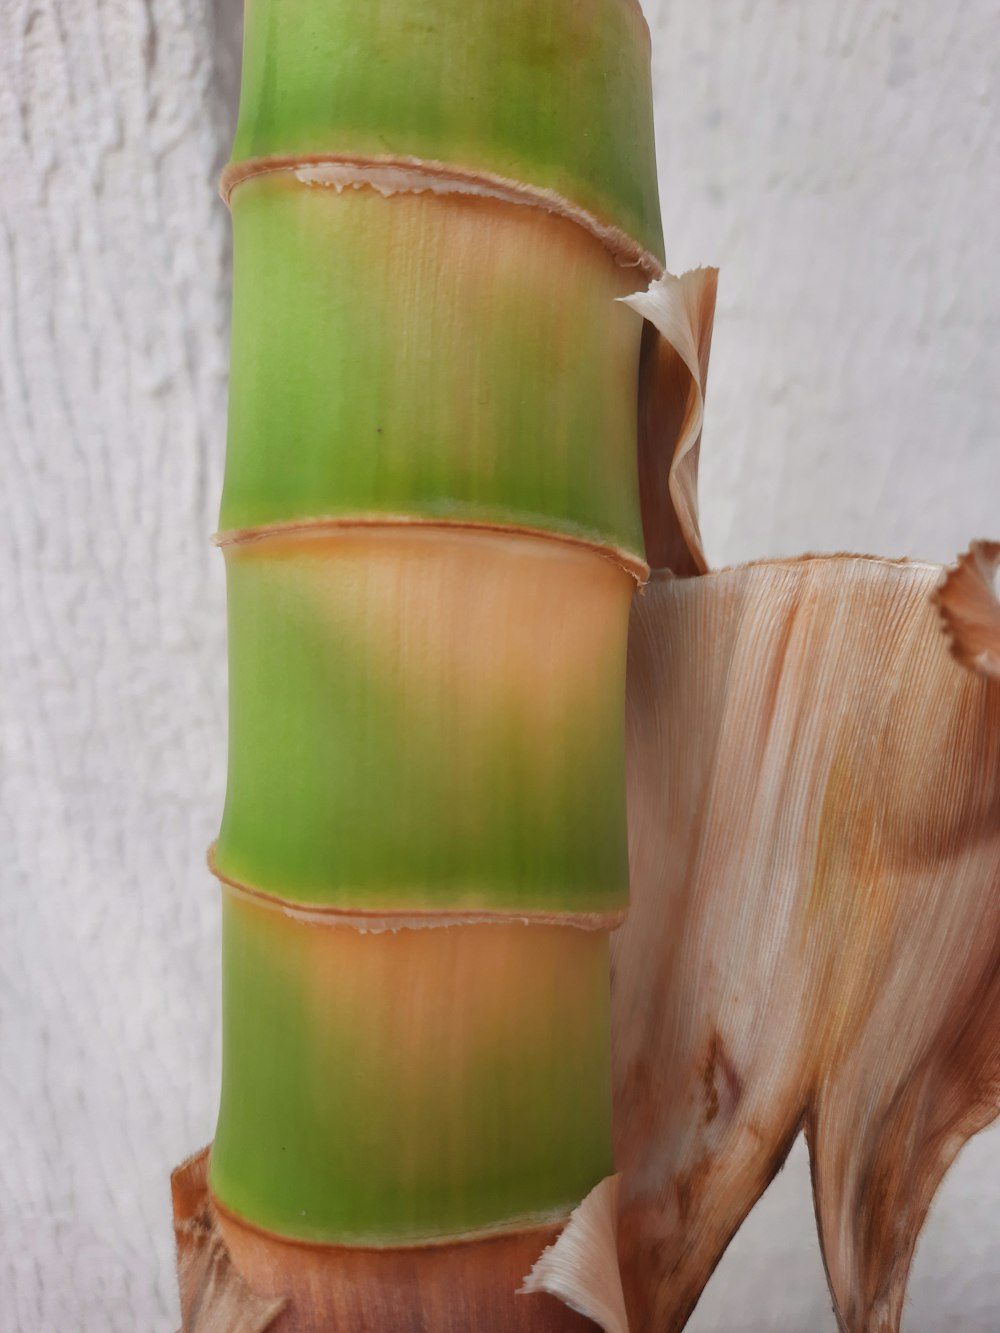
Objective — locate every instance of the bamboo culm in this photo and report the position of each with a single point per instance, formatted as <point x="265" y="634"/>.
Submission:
<point x="432" y="536"/>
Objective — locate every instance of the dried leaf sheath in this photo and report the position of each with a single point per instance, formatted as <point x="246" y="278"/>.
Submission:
<point x="814" y="797"/>
<point x="814" y="938"/>
<point x="351" y="1288"/>
<point x="582" y="1266"/>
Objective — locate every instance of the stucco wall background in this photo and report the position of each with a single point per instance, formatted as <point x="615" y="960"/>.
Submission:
<point x="840" y="160"/>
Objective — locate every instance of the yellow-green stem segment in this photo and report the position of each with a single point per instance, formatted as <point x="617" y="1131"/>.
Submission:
<point x="432" y="535"/>
<point x="554" y="96"/>
<point x="404" y="1085"/>
<point x="426" y="718"/>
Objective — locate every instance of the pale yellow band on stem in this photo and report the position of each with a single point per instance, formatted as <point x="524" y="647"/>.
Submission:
<point x="413" y="175"/>
<point x="327" y="527"/>
<point x="374" y="923"/>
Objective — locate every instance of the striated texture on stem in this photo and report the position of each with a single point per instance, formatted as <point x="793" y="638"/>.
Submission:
<point x="410" y="728"/>
<point x="379" y="1083"/>
<point x="432" y="537"/>
<point x="432" y="523"/>
<point x="338" y="410"/>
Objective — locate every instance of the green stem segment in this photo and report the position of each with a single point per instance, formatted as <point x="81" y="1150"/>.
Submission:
<point x="553" y="96"/>
<point x="432" y="533"/>
<point x="426" y="718"/>
<point x="408" y="355"/>
<point x="417" y="1083"/>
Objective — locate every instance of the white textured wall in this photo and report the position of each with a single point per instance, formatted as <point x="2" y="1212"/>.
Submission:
<point x="113" y="318"/>
<point x="840" y="159"/>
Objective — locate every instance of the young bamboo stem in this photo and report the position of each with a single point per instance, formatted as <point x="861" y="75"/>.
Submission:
<point x="432" y="535"/>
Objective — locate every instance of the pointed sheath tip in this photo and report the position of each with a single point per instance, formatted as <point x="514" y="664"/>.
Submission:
<point x="969" y="607"/>
<point x="673" y="378"/>
<point x="581" y="1268"/>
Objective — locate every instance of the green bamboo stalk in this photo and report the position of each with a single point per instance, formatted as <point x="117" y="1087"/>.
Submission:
<point x="432" y="534"/>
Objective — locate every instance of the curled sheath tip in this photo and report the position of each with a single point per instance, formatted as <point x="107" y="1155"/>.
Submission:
<point x="969" y="607"/>
<point x="680" y="314"/>
<point x="581" y="1268"/>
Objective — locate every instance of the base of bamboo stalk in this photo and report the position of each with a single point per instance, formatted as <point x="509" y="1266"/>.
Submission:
<point x="234" y="1278"/>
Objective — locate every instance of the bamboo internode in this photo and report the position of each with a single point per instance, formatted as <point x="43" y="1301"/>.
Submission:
<point x="423" y="718"/>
